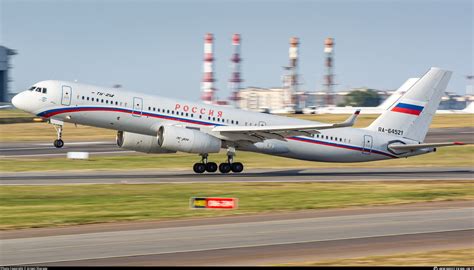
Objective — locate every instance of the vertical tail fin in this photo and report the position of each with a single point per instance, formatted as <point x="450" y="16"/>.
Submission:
<point x="411" y="116"/>
<point x="397" y="94"/>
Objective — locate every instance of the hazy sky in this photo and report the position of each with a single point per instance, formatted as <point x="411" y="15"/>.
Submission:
<point x="157" y="46"/>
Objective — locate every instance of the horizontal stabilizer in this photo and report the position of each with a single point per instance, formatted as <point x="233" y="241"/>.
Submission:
<point x="409" y="147"/>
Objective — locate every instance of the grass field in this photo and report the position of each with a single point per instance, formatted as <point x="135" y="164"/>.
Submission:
<point x="11" y="113"/>
<point x="460" y="156"/>
<point x="455" y="257"/>
<point x="43" y="206"/>
<point x="43" y="132"/>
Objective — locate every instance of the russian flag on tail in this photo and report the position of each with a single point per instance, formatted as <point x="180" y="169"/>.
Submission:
<point x="408" y="108"/>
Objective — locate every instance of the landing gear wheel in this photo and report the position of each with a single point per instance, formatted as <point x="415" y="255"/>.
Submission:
<point x="224" y="168"/>
<point x="237" y="167"/>
<point x="199" y="167"/>
<point x="211" y="167"/>
<point x="58" y="143"/>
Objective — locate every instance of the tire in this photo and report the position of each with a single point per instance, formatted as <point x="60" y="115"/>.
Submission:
<point x="58" y="143"/>
<point x="237" y="167"/>
<point x="199" y="167"/>
<point x="224" y="168"/>
<point x="211" y="167"/>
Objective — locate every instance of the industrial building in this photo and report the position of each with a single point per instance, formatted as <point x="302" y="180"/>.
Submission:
<point x="5" y="66"/>
<point x="280" y="100"/>
<point x="272" y="100"/>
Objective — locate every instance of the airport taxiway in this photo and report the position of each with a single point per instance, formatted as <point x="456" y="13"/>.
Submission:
<point x="265" y="239"/>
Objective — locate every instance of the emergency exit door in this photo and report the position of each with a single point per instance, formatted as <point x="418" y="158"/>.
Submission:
<point x="137" y="106"/>
<point x="367" y="149"/>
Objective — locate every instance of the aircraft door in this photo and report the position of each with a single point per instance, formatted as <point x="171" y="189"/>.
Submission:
<point x="368" y="142"/>
<point x="66" y="95"/>
<point x="137" y="106"/>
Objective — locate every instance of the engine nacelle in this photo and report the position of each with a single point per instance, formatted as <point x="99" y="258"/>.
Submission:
<point x="140" y="143"/>
<point x="187" y="140"/>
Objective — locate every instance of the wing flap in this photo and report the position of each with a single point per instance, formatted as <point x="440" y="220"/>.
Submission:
<point x="287" y="130"/>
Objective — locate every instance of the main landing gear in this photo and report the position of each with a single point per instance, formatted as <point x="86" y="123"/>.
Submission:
<point x="225" y="167"/>
<point x="204" y="165"/>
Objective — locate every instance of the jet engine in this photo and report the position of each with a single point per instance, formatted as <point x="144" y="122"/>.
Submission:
<point x="187" y="140"/>
<point x="140" y="143"/>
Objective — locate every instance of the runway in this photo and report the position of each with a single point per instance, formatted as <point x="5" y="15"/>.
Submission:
<point x="259" y="175"/>
<point x="265" y="240"/>
<point x="46" y="149"/>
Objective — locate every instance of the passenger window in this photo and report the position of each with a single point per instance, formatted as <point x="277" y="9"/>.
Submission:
<point x="232" y="121"/>
<point x="82" y="97"/>
<point x="149" y="108"/>
<point x="102" y="101"/>
<point x="88" y="98"/>
<point x="200" y="116"/>
<point x="116" y="102"/>
<point x="167" y="111"/>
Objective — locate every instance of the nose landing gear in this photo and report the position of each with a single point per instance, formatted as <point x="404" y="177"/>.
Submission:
<point x="58" y="126"/>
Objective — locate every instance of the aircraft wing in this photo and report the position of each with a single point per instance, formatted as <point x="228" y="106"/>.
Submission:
<point x="411" y="147"/>
<point x="260" y="133"/>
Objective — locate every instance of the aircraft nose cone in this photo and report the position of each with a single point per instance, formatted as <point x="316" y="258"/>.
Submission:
<point x="19" y="101"/>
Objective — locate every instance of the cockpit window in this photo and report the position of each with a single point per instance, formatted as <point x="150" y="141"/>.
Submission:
<point x="44" y="90"/>
<point x="32" y="88"/>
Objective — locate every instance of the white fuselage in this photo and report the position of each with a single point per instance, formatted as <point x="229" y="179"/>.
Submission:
<point x="135" y="112"/>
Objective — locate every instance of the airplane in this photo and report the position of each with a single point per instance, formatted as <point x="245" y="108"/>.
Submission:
<point x="370" y="110"/>
<point x="151" y="124"/>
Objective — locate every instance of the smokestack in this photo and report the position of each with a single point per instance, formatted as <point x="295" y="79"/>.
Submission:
<point x="236" y="79"/>
<point x="329" y="77"/>
<point x="208" y="95"/>
<point x="293" y="53"/>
